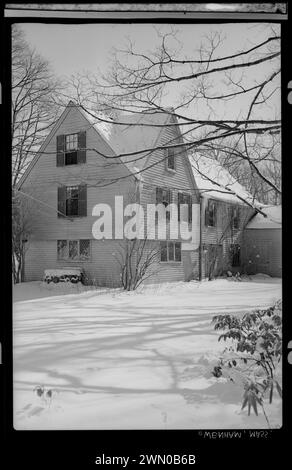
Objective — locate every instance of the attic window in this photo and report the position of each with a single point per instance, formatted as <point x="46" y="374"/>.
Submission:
<point x="71" y="149"/>
<point x="71" y="142"/>
<point x="170" y="161"/>
<point x="71" y="146"/>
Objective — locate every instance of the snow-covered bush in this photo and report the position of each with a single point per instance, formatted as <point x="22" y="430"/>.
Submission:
<point x="253" y="355"/>
<point x="73" y="275"/>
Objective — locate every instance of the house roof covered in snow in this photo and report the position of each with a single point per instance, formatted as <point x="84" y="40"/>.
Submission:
<point x="140" y="131"/>
<point x="272" y="221"/>
<point x="214" y="181"/>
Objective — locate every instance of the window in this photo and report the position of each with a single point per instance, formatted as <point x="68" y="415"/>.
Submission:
<point x="72" y="195"/>
<point x="184" y="198"/>
<point x="163" y="196"/>
<point x="170" y="251"/>
<point x="235" y="255"/>
<point x="74" y="250"/>
<point x="210" y="214"/>
<point x="235" y="217"/>
<point x="71" y="142"/>
<point x="72" y="201"/>
<point x="71" y="148"/>
<point x="170" y="161"/>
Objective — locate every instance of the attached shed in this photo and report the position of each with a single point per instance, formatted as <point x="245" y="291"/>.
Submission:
<point x="262" y="246"/>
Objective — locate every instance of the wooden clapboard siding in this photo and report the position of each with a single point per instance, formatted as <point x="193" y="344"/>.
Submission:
<point x="213" y="235"/>
<point x="45" y="177"/>
<point x="157" y="175"/>
<point x="262" y="251"/>
<point x="101" y="269"/>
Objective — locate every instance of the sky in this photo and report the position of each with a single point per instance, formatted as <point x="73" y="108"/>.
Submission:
<point x="72" y="49"/>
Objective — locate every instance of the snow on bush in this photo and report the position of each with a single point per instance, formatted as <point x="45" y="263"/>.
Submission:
<point x="73" y="275"/>
<point x="253" y="354"/>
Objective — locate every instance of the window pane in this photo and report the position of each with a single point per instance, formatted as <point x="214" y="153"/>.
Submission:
<point x="71" y="142"/>
<point x="212" y="213"/>
<point x="165" y="197"/>
<point x="163" y="251"/>
<point x="170" y="251"/>
<point x="73" y="249"/>
<point x="71" y="158"/>
<point x="170" y="159"/>
<point x="72" y="207"/>
<point x="84" y="249"/>
<point x="177" y="251"/>
<point x="72" y="200"/>
<point x="62" y="249"/>
<point x="235" y="217"/>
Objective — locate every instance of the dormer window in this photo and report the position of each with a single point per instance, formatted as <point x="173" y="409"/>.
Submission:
<point x="170" y="160"/>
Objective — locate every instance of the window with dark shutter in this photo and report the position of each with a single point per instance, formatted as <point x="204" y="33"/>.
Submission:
<point x="71" y="149"/>
<point x="61" y="201"/>
<point x="207" y="216"/>
<point x="72" y="201"/>
<point x="60" y="150"/>
<point x="186" y="199"/>
<point x="81" y="153"/>
<point x="82" y="203"/>
<point x="163" y="196"/>
<point x="210" y="214"/>
<point x="158" y="195"/>
<point x="170" y="160"/>
<point x="72" y="198"/>
<point x="71" y="146"/>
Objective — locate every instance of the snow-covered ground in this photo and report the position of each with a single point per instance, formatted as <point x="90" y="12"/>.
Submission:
<point x="130" y="360"/>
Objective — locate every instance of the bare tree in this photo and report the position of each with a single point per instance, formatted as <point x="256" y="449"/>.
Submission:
<point x="34" y="112"/>
<point x="25" y="210"/>
<point x="137" y="260"/>
<point x="34" y="106"/>
<point x="140" y="81"/>
<point x="232" y="220"/>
